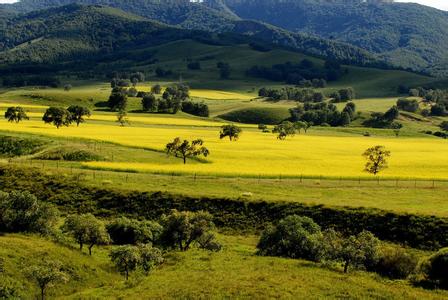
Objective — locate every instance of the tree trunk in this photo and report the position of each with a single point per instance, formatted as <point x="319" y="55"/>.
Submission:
<point x="185" y="159"/>
<point x="42" y="292"/>
<point x="80" y="246"/>
<point x="346" y="266"/>
<point x="90" y="249"/>
<point x="127" y="273"/>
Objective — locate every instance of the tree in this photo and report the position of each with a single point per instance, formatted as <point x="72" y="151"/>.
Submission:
<point x="122" y="117"/>
<point x="125" y="231"/>
<point x="438" y="110"/>
<point x="232" y="131"/>
<point x="57" y="116"/>
<point x="23" y="212"/>
<point x="294" y="237"/>
<point x="299" y="125"/>
<point x="181" y="229"/>
<point x="408" y="105"/>
<point x="16" y="114"/>
<point x="78" y="113"/>
<point x="117" y="100"/>
<point x="67" y="87"/>
<point x="263" y="127"/>
<point x="137" y="77"/>
<point x="86" y="229"/>
<point x="150" y="257"/>
<point x="126" y="259"/>
<point x="156" y="89"/>
<point x="392" y="114"/>
<point x="436" y="268"/>
<point x="396" y="127"/>
<point x="150" y="103"/>
<point x="359" y="250"/>
<point x="444" y="125"/>
<point x="376" y="159"/>
<point x="46" y="274"/>
<point x="186" y="148"/>
<point x="284" y="129"/>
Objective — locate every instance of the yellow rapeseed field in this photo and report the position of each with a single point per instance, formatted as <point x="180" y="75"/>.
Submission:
<point x="259" y="153"/>
<point x="219" y="95"/>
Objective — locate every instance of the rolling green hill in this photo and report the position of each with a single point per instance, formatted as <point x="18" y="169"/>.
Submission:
<point x="408" y="35"/>
<point x="191" y="16"/>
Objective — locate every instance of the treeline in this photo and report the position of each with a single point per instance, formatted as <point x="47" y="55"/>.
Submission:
<point x="304" y="74"/>
<point x="436" y="98"/>
<point x="324" y="114"/>
<point x="306" y="94"/>
<point x="418" y="231"/>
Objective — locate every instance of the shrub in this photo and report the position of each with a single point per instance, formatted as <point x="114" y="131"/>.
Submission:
<point x="70" y="155"/>
<point x="407" y="105"/>
<point x="436" y="268"/>
<point x="129" y="231"/>
<point x="396" y="263"/>
<point x="13" y="146"/>
<point x="294" y="237"/>
<point x="181" y="229"/>
<point x="22" y="212"/>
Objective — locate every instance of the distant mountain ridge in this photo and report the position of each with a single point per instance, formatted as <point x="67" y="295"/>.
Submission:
<point x="70" y="28"/>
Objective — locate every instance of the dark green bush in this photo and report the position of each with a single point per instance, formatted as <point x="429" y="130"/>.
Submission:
<point x="70" y="155"/>
<point x="294" y="237"/>
<point x="22" y="212"/>
<point x="124" y="231"/>
<point x="396" y="263"/>
<point x="437" y="269"/>
<point x="13" y="146"/>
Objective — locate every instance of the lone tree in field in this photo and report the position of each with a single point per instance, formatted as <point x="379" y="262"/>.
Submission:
<point x="57" y="116"/>
<point x="16" y="114"/>
<point x="156" y="89"/>
<point x="79" y="113"/>
<point x="284" y="129"/>
<point x="150" y="257"/>
<point x="186" y="148"/>
<point x="122" y="117"/>
<point x="117" y="100"/>
<point x="376" y="159"/>
<point x="232" y="131"/>
<point x="126" y="259"/>
<point x="67" y="87"/>
<point x="86" y="229"/>
<point x="46" y="274"/>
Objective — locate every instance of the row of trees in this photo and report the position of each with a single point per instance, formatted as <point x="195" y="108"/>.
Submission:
<point x="324" y="114"/>
<point x="306" y="94"/>
<point x="301" y="238"/>
<point x="57" y="116"/>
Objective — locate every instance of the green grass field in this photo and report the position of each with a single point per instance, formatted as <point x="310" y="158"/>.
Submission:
<point x="235" y="272"/>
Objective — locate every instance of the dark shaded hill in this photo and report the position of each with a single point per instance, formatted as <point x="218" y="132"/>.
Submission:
<point x="74" y="31"/>
<point x="405" y="34"/>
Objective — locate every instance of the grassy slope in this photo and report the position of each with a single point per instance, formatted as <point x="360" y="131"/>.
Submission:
<point x="235" y="272"/>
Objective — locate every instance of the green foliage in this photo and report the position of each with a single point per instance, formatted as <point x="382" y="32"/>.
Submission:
<point x="117" y="100"/>
<point x="396" y="263"/>
<point x="270" y="116"/>
<point x="376" y="159"/>
<point x="46" y="274"/>
<point x="13" y="146"/>
<point x="196" y="109"/>
<point x="186" y="149"/>
<point x="323" y="113"/>
<point x="69" y="154"/>
<point x="182" y="229"/>
<point x="284" y="130"/>
<point x="86" y="229"/>
<point x="16" y="114"/>
<point x="436" y="268"/>
<point x="57" y="116"/>
<point x="294" y="237"/>
<point x="126" y="259"/>
<point x="150" y="257"/>
<point x="418" y="231"/>
<point x="22" y="212"/>
<point x="410" y="105"/>
<point x="78" y="113"/>
<point x="444" y="125"/>
<point x="231" y="131"/>
<point x="129" y="231"/>
<point x="122" y="117"/>
<point x="150" y="103"/>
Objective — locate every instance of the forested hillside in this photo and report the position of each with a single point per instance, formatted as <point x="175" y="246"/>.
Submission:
<point x="76" y="31"/>
<point x="404" y="34"/>
<point x="408" y="35"/>
<point x="193" y="16"/>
